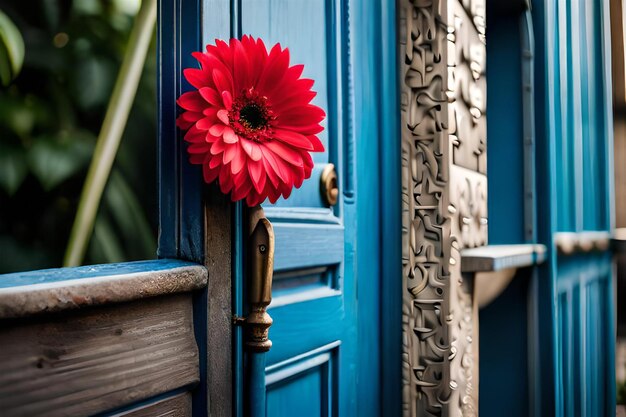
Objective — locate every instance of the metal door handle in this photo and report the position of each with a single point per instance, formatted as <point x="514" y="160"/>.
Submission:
<point x="261" y="261"/>
<point x="329" y="186"/>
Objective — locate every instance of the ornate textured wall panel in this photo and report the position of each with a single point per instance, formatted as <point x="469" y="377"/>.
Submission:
<point x="444" y="198"/>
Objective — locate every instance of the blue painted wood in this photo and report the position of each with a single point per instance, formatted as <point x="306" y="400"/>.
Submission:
<point x="181" y="222"/>
<point x="496" y="397"/>
<point x="390" y="214"/>
<point x="256" y="385"/>
<point x="290" y="384"/>
<point x="320" y="252"/>
<point x="583" y="284"/>
<point x="569" y="299"/>
<point x="505" y="129"/>
<point x="55" y="275"/>
<point x="181" y="217"/>
<point x="574" y="118"/>
<point x="303" y="245"/>
<point x="513" y="219"/>
<point x="544" y="328"/>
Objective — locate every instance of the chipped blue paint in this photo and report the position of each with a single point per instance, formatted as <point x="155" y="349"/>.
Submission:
<point x="46" y="276"/>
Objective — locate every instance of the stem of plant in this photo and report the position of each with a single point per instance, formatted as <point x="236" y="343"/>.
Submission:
<point x="111" y="132"/>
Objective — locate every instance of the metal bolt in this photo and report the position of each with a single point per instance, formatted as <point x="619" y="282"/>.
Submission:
<point x="262" y="248"/>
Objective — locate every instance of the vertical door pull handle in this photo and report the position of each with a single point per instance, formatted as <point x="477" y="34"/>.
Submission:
<point x="261" y="262"/>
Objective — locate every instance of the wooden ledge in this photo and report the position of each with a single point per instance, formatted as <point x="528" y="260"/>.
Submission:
<point x="50" y="290"/>
<point x="618" y="240"/>
<point x="492" y="258"/>
<point x="569" y="243"/>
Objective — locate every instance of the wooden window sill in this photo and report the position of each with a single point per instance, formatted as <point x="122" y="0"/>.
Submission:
<point x="50" y="290"/>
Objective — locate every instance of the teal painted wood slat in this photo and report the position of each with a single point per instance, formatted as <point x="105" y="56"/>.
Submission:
<point x="320" y="252"/>
<point x="573" y="161"/>
<point x="547" y="393"/>
<point x="391" y="224"/>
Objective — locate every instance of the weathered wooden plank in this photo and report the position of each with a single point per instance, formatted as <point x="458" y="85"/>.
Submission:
<point x="498" y="257"/>
<point x="218" y="260"/>
<point x="177" y="406"/>
<point x="51" y="290"/>
<point x="88" y="361"/>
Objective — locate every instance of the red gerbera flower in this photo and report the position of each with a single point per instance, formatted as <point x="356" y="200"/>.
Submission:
<point x="250" y="123"/>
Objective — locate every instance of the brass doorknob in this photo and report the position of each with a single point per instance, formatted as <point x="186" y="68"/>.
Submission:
<point x="329" y="186"/>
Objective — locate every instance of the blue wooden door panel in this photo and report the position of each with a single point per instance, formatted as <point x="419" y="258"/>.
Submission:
<point x="314" y="367"/>
<point x="311" y="366"/>
<point x="316" y="43"/>
<point x="585" y="326"/>
<point x="305" y="385"/>
<point x="576" y="153"/>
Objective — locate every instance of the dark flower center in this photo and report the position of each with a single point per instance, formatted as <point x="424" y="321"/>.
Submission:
<point x="252" y="116"/>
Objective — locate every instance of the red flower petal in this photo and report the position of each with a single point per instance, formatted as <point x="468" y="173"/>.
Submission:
<point x="214" y="162"/>
<point x="209" y="174"/>
<point x="241" y="67"/>
<point x="190" y="116"/>
<point x="239" y="160"/>
<point x="278" y="167"/>
<point x="272" y="175"/>
<point x="223" y="81"/>
<point x="317" y="144"/>
<point x="229" y="153"/>
<point x="250" y="123"/>
<point x="217" y="129"/>
<point x="230" y="136"/>
<point x="223" y="116"/>
<point x="227" y="98"/>
<point x="226" y="181"/>
<point x="293" y="138"/>
<point x="218" y="147"/>
<point x="191" y="101"/>
<point x="275" y="69"/>
<point x="211" y="96"/>
<point x="196" y="77"/>
<point x="252" y="149"/>
<point x="306" y="115"/>
<point x="285" y="152"/>
<point x="258" y="177"/>
<point x="205" y="123"/>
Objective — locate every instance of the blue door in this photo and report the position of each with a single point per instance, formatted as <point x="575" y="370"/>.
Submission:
<point x="314" y="303"/>
<point x="325" y="357"/>
<point x="575" y="290"/>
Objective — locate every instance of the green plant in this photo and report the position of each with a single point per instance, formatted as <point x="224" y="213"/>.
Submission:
<point x="50" y="116"/>
<point x="621" y="392"/>
<point x="11" y="50"/>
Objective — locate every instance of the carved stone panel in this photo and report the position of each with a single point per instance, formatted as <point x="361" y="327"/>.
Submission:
<point x="466" y="89"/>
<point x="468" y="206"/>
<point x="444" y="198"/>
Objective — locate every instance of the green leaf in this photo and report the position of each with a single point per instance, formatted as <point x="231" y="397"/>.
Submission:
<point x="105" y="246"/>
<point x="12" y="56"/>
<point x="54" y="159"/>
<point x="17" y="256"/>
<point x="18" y="115"/>
<point x="130" y="218"/>
<point x="13" y="168"/>
<point x="92" y="82"/>
<point x="5" y="65"/>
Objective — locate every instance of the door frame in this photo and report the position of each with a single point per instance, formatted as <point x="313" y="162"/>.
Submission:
<point x="186" y="205"/>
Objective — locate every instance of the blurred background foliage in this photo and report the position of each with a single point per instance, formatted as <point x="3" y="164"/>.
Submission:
<point x="50" y="116"/>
